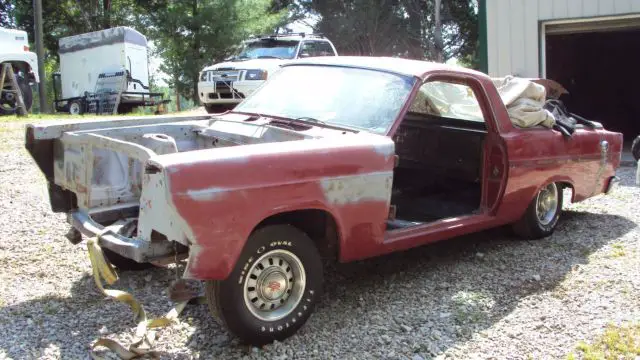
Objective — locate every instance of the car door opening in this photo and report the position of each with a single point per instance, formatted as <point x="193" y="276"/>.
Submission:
<point x="440" y="148"/>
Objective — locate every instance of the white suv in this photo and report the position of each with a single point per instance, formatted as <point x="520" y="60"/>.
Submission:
<point x="222" y="86"/>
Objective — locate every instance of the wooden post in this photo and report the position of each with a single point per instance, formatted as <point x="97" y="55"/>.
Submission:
<point x="39" y="38"/>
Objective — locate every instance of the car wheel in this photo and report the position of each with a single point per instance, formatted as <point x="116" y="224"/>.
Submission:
<point x="541" y="217"/>
<point x="123" y="263"/>
<point x="635" y="148"/>
<point x="273" y="288"/>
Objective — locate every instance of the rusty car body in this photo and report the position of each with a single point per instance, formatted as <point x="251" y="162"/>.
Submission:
<point x="271" y="177"/>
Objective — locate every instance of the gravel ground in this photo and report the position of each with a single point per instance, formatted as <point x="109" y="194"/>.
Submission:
<point x="482" y="296"/>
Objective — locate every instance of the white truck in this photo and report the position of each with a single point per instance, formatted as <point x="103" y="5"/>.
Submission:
<point x="14" y="49"/>
<point x="223" y="85"/>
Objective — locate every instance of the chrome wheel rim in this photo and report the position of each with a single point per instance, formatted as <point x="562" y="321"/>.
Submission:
<point x="547" y="204"/>
<point x="274" y="285"/>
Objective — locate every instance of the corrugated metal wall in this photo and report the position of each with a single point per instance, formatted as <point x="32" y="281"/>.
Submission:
<point x="513" y="28"/>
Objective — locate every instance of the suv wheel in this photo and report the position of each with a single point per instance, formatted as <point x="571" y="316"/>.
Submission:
<point x="273" y="288"/>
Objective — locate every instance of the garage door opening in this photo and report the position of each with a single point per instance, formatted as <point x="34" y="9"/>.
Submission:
<point x="601" y="71"/>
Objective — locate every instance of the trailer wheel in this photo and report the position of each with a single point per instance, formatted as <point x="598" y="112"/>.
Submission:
<point x="9" y="101"/>
<point x="273" y="288"/>
<point x="75" y="108"/>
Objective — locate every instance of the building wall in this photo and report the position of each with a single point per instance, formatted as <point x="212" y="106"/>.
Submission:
<point x="513" y="28"/>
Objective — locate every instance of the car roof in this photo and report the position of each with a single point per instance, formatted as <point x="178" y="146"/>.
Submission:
<point x="417" y="68"/>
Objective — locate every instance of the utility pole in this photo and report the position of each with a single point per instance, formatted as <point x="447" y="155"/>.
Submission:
<point x="37" y="24"/>
<point x="438" y="33"/>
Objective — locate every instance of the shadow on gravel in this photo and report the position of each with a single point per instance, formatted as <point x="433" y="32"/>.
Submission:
<point x="431" y="298"/>
<point x="65" y="327"/>
<point x="463" y="285"/>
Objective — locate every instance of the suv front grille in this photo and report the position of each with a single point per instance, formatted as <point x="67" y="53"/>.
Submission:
<point x="218" y="75"/>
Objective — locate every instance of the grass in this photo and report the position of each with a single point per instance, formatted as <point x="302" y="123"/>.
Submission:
<point x="617" y="250"/>
<point x="618" y="342"/>
<point x="57" y="116"/>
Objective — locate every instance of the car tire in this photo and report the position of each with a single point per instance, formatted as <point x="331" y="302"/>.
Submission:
<point x="542" y="214"/>
<point x="123" y="263"/>
<point x="272" y="290"/>
<point x="217" y="108"/>
<point x="635" y="148"/>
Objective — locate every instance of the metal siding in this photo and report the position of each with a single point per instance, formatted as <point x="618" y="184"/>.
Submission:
<point x="623" y="6"/>
<point x="530" y="29"/>
<point x="589" y="8"/>
<point x="504" y="38"/>
<point x="545" y="8"/>
<point x="492" y="37"/>
<point x="606" y="7"/>
<point x="575" y="9"/>
<point x="518" y="55"/>
<point x="513" y="34"/>
<point x="561" y="8"/>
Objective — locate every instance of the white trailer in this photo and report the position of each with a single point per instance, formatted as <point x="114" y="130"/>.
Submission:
<point x="87" y="58"/>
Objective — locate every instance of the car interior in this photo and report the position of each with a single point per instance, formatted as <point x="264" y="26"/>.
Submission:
<point x="440" y="147"/>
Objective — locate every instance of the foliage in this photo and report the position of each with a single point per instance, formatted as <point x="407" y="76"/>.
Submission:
<point x="398" y="27"/>
<point x="617" y="343"/>
<point x="190" y="34"/>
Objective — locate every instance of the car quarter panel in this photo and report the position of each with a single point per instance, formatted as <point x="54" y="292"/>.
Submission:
<point x="539" y="156"/>
<point x="221" y="195"/>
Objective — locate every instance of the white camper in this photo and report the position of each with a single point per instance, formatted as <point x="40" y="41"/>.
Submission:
<point x="87" y="58"/>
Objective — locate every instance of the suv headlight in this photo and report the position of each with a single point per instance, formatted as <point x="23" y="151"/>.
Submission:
<point x="256" y="75"/>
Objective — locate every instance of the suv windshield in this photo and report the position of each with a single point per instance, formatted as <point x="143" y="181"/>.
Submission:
<point x="351" y="97"/>
<point x="269" y="48"/>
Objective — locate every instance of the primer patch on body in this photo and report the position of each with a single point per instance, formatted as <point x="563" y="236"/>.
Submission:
<point x="206" y="194"/>
<point x="358" y="188"/>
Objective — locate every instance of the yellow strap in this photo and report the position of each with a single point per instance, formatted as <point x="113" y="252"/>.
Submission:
<point x="144" y="339"/>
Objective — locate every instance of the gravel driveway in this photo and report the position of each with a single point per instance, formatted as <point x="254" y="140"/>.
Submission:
<point x="481" y="296"/>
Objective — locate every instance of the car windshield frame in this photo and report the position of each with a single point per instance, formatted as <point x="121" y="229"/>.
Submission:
<point x="265" y="48"/>
<point x="384" y="94"/>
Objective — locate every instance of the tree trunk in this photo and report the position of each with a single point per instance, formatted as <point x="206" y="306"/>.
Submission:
<point x="438" y="33"/>
<point x="196" y="54"/>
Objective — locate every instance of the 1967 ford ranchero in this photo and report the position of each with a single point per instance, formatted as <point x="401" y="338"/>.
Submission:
<point x="345" y="157"/>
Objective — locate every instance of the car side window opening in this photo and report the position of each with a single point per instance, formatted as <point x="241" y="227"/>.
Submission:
<point x="316" y="48"/>
<point x="447" y="100"/>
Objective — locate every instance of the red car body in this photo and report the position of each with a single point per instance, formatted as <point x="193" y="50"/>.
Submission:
<point x="213" y="199"/>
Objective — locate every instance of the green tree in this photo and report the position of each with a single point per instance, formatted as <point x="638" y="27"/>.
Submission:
<point x="397" y="27"/>
<point x="191" y="34"/>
